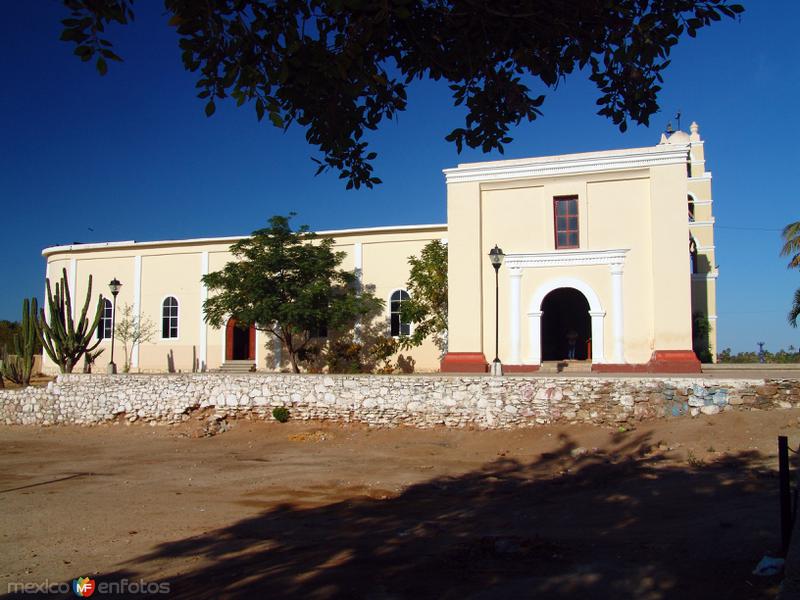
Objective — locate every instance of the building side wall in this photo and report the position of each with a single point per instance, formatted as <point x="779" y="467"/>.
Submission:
<point x="176" y="270"/>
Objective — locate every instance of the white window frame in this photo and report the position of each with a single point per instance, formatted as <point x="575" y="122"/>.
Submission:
<point x="177" y="318"/>
<point x="107" y="305"/>
<point x="389" y="304"/>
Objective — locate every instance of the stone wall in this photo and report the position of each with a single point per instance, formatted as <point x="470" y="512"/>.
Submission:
<point x="419" y="401"/>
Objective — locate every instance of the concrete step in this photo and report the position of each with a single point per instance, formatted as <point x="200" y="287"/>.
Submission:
<point x="237" y="366"/>
<point x="566" y="366"/>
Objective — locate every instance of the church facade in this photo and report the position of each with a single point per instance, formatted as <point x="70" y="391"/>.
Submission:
<point x="608" y="259"/>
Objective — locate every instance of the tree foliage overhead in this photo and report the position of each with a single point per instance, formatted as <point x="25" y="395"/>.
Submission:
<point x="338" y="68"/>
<point x="427" y="288"/>
<point x="287" y="283"/>
<point x="791" y="248"/>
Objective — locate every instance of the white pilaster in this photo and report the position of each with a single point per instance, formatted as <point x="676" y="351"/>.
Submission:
<point x="223" y="340"/>
<point x="137" y="306"/>
<point x="258" y="347"/>
<point x="203" y="350"/>
<point x="514" y="315"/>
<point x="619" y="316"/>
<point x="73" y="276"/>
<point x="277" y="351"/>
<point x="535" y="337"/>
<point x="598" y="339"/>
<point x="358" y="270"/>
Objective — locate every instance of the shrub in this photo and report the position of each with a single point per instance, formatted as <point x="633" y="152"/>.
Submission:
<point x="281" y="414"/>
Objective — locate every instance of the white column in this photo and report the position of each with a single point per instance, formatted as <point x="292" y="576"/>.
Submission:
<point x="258" y="347"/>
<point x="514" y="316"/>
<point x="137" y="306"/>
<point x="277" y="351"/>
<point x="618" y="314"/>
<point x="203" y="350"/>
<point x="73" y="276"/>
<point x="358" y="270"/>
<point x="535" y="337"/>
<point x="46" y="309"/>
<point x="598" y="340"/>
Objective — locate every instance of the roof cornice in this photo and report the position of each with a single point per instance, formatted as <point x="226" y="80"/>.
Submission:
<point x="232" y="239"/>
<point x="590" y="162"/>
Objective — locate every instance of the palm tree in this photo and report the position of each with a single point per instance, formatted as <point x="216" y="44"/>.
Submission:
<point x="791" y="247"/>
<point x="795" y="312"/>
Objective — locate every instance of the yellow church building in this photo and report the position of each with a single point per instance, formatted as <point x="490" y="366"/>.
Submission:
<point x="607" y="258"/>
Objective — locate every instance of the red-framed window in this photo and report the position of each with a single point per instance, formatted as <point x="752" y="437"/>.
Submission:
<point x="565" y="214"/>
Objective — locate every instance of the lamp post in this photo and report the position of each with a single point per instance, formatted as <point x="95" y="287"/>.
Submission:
<point x="114" y="285"/>
<point x="496" y="258"/>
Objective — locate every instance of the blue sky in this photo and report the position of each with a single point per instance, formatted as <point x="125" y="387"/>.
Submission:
<point x="132" y="156"/>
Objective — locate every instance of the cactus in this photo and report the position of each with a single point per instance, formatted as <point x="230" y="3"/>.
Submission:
<point x="25" y="341"/>
<point x="63" y="338"/>
<point x="3" y="359"/>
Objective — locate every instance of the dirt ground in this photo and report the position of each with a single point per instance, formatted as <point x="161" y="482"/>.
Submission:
<point x="682" y="508"/>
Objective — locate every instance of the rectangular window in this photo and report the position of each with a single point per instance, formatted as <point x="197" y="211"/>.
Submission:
<point x="565" y="213"/>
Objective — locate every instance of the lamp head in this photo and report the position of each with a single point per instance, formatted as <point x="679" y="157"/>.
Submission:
<point x="496" y="256"/>
<point x="114" y="285"/>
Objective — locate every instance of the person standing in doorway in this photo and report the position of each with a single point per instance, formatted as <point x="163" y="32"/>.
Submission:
<point x="572" y="339"/>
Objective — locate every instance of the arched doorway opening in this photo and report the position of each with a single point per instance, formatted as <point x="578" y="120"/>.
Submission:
<point x="240" y="342"/>
<point x="565" y="316"/>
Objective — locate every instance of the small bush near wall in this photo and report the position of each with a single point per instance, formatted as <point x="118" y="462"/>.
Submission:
<point x="281" y="414"/>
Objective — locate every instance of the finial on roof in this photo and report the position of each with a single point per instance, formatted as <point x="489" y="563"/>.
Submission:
<point x="695" y="129"/>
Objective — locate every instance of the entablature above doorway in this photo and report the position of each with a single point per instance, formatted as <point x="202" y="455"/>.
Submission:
<point x="566" y="258"/>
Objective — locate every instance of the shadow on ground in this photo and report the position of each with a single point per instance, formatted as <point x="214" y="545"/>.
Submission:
<point x="624" y="523"/>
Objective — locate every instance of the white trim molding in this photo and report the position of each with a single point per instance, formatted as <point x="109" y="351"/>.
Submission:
<point x="358" y="271"/>
<point x="515" y="274"/>
<point x="704" y="276"/>
<point x="72" y="277"/>
<point x="203" y="353"/>
<point x="565" y="258"/>
<point x="709" y="223"/>
<point x="590" y="162"/>
<point x="137" y="305"/>
<point x="432" y="228"/>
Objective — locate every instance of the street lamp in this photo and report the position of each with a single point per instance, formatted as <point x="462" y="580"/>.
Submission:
<point x="114" y="285"/>
<point x="496" y="257"/>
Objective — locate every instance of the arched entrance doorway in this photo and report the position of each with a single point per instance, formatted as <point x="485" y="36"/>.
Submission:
<point x="565" y="316"/>
<point x="240" y="342"/>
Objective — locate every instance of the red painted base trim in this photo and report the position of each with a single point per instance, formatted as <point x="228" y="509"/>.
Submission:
<point x="521" y="368"/>
<point x="662" y="361"/>
<point x="464" y="362"/>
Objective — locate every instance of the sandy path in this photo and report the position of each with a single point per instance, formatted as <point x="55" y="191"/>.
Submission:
<point x="682" y="508"/>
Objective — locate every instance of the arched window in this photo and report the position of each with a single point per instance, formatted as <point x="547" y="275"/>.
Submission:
<point x="691" y="209"/>
<point x="398" y="327"/>
<point x="169" y="318"/>
<point x="104" y="326"/>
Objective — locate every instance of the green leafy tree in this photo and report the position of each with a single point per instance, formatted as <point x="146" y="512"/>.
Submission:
<point x="427" y="287"/>
<point x="791" y="248"/>
<point x="701" y="328"/>
<point x="287" y="283"/>
<point x="8" y="329"/>
<point x="790" y="355"/>
<point x="339" y="69"/>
